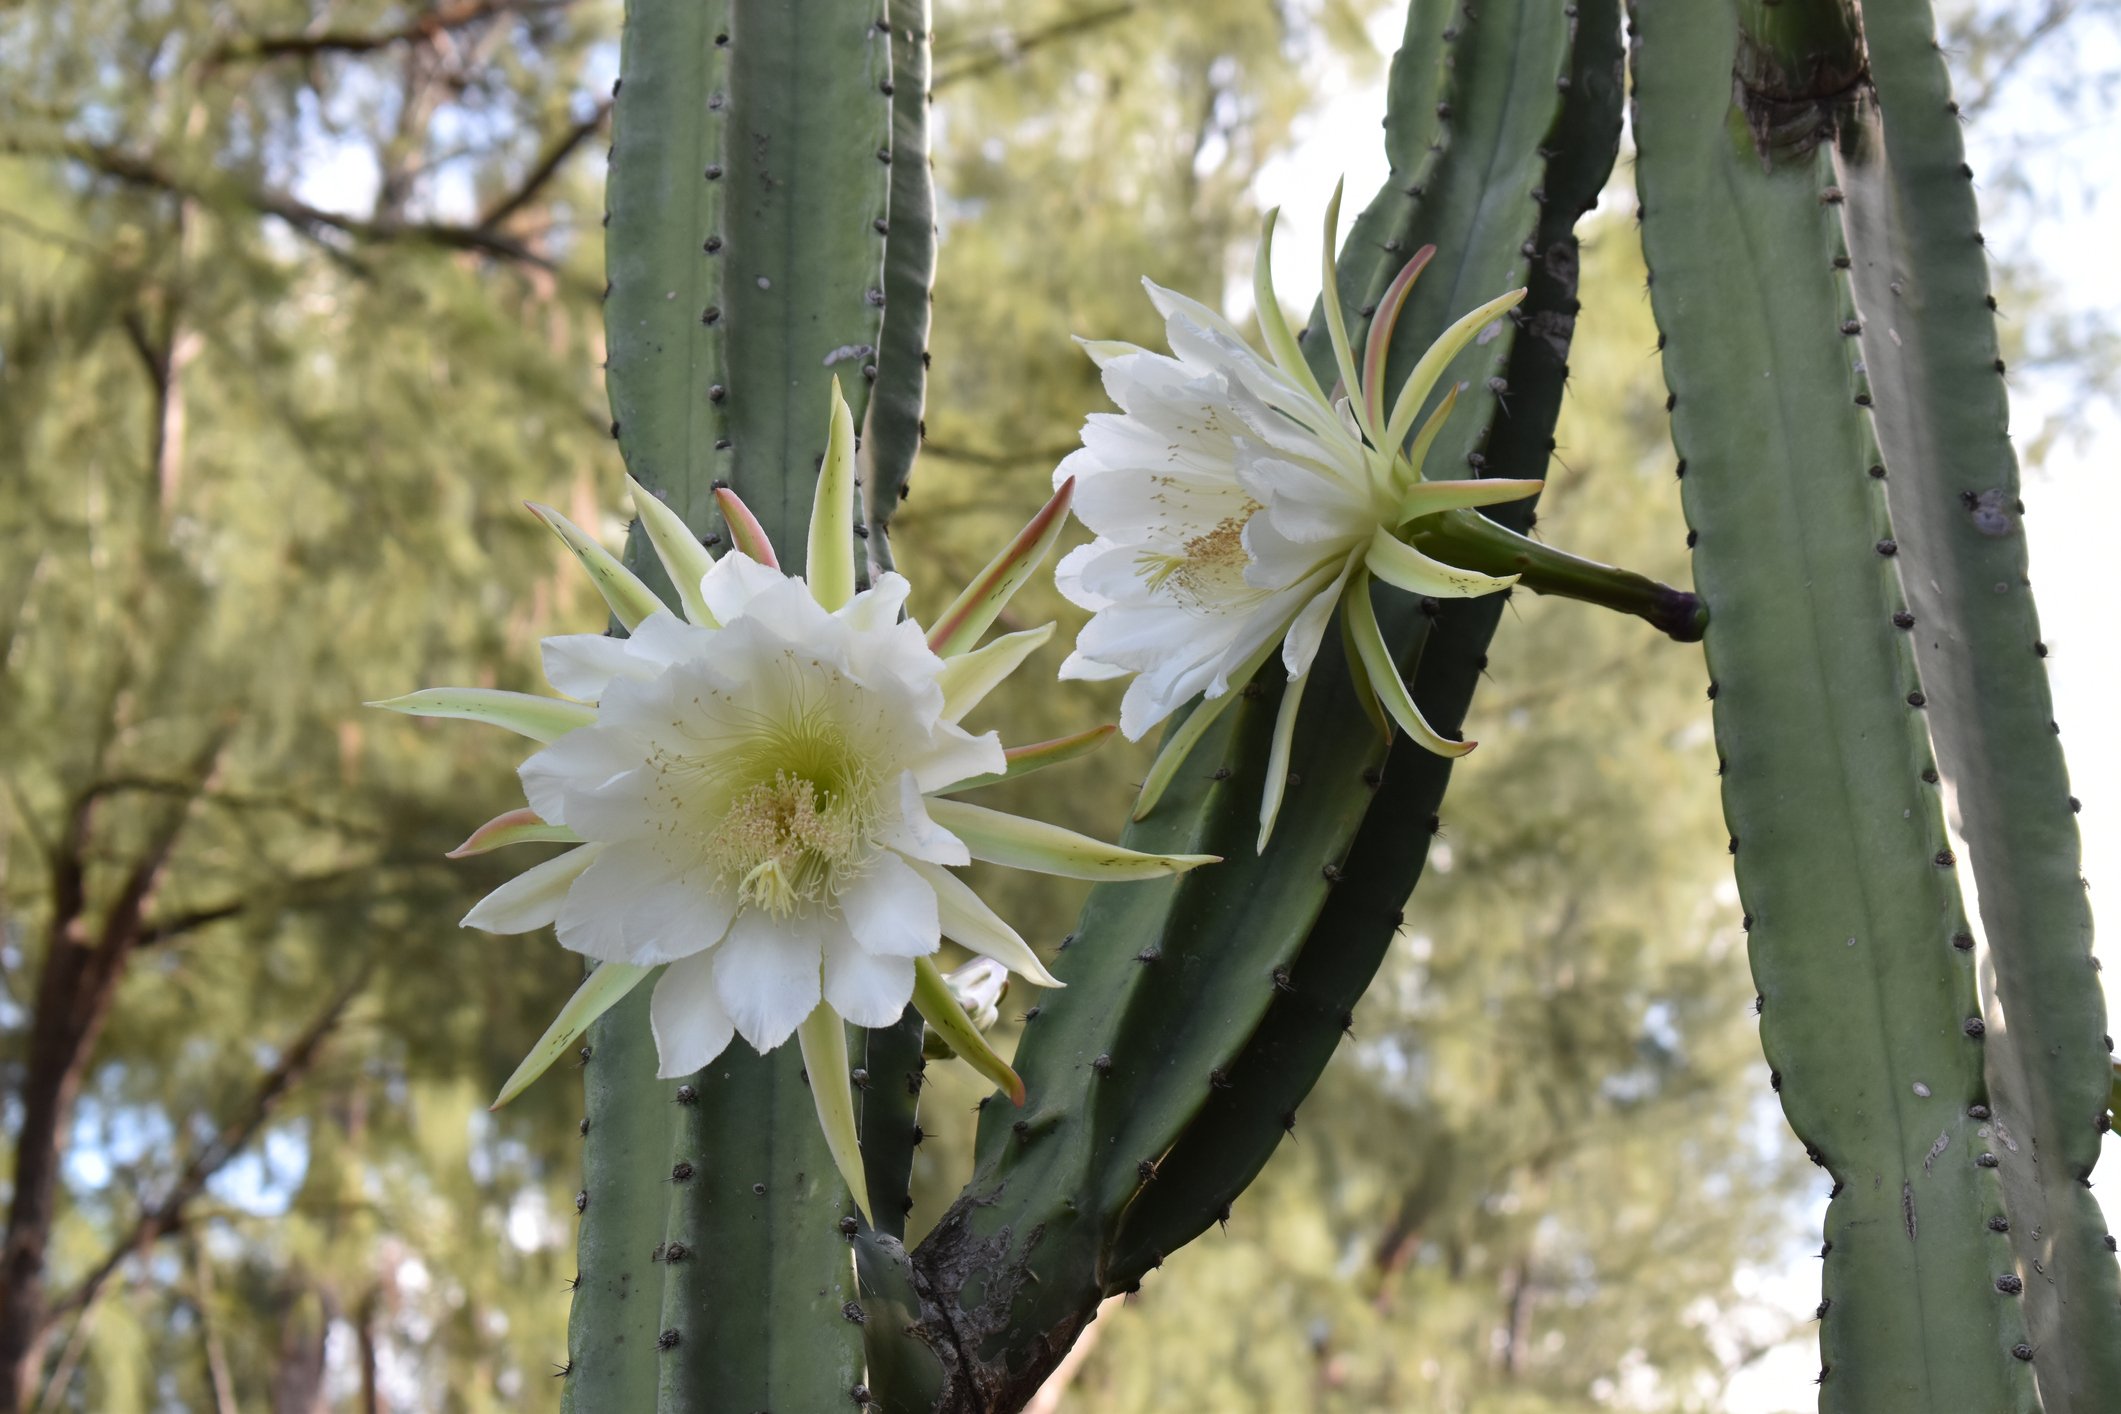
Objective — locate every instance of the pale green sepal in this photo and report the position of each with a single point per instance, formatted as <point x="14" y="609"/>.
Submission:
<point x="1384" y="676"/>
<point x="1359" y="677"/>
<point x="823" y="1037"/>
<point x="1017" y="843"/>
<point x="630" y="600"/>
<point x="1415" y="391"/>
<point x="513" y="827"/>
<point x="684" y="558"/>
<point x="1292" y="698"/>
<point x="1428" y="498"/>
<point x="975" y="610"/>
<point x="830" y="564"/>
<point x="1187" y="734"/>
<point x="968" y="920"/>
<point x="968" y="678"/>
<point x="1104" y="351"/>
<point x="599" y="992"/>
<point x="1404" y="567"/>
<point x="1337" y="322"/>
<point x="524" y="713"/>
<point x="931" y="997"/>
<point x="1273" y="324"/>
<point x="1038" y="755"/>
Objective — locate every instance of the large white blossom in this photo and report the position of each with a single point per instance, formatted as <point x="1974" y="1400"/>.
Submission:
<point x="754" y="793"/>
<point x="1236" y="504"/>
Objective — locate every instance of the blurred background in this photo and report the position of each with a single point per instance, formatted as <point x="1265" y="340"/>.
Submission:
<point x="299" y="301"/>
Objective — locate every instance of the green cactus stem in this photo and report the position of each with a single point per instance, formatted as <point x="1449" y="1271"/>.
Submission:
<point x="1871" y="1019"/>
<point x="892" y="437"/>
<point x="1472" y="541"/>
<point x="748" y="215"/>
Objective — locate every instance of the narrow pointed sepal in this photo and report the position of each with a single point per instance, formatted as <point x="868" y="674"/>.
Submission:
<point x="684" y="558"/>
<point x="931" y="997"/>
<point x="1359" y="678"/>
<point x="824" y="1040"/>
<point x="968" y="678"/>
<point x="1377" y="347"/>
<point x="974" y="611"/>
<point x="1384" y="675"/>
<point x="524" y="713"/>
<point x="513" y="827"/>
<point x="1428" y="498"/>
<point x="1273" y="324"/>
<point x="1337" y="322"/>
<point x="745" y="532"/>
<point x="1017" y="843"/>
<point x="1038" y="755"/>
<point x="829" y="566"/>
<point x="1404" y="567"/>
<point x="630" y="600"/>
<point x="1187" y="734"/>
<point x="969" y="922"/>
<point x="1415" y="391"/>
<point x="1292" y="698"/>
<point x="600" y="991"/>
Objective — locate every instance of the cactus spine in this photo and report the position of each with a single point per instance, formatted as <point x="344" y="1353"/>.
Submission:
<point x="1822" y="358"/>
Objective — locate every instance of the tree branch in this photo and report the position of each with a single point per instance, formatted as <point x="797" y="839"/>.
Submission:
<point x="548" y="165"/>
<point x="308" y="43"/>
<point x="1006" y="47"/>
<point x="167" y="1216"/>
<point x="135" y="170"/>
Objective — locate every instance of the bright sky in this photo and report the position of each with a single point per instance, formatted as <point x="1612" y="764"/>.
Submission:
<point x="2072" y="505"/>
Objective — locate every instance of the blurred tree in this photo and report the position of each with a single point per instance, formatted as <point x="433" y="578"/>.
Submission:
<point x="294" y="303"/>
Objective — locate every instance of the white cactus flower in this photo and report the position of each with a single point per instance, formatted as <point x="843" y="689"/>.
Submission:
<point x="1235" y="504"/>
<point x="756" y="797"/>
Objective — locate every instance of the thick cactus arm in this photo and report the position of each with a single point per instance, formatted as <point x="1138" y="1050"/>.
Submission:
<point x="1242" y="1123"/>
<point x="887" y="1097"/>
<point x="1928" y="337"/>
<point x="755" y="1266"/>
<point x="892" y="437"/>
<point x="612" y="1329"/>
<point x="748" y="196"/>
<point x="1166" y="990"/>
<point x="1870" y="1016"/>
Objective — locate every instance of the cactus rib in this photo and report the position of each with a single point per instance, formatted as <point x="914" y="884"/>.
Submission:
<point x="1929" y="343"/>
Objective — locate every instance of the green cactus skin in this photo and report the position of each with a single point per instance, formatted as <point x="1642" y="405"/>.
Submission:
<point x="749" y="189"/>
<point x="892" y="437"/>
<point x="1929" y="344"/>
<point x="748" y="209"/>
<point x="1870" y="1018"/>
<point x="1169" y="983"/>
<point x="612" y="1328"/>
<point x="1239" y="1127"/>
<point x="887" y="1102"/>
<point x="756" y="1266"/>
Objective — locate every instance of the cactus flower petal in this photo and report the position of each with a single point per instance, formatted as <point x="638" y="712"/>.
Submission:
<point x="968" y="921"/>
<point x="533" y="898"/>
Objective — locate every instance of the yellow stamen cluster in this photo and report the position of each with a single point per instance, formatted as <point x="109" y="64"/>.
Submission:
<point x="789" y="841"/>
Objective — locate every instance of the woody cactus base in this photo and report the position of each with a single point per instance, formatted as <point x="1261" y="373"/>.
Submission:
<point x="1841" y="423"/>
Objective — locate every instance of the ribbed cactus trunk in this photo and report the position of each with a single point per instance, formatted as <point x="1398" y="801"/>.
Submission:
<point x="749" y="198"/>
<point x="1881" y="711"/>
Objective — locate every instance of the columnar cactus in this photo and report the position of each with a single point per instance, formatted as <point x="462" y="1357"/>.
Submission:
<point x="1839" y="410"/>
<point x="1839" y="413"/>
